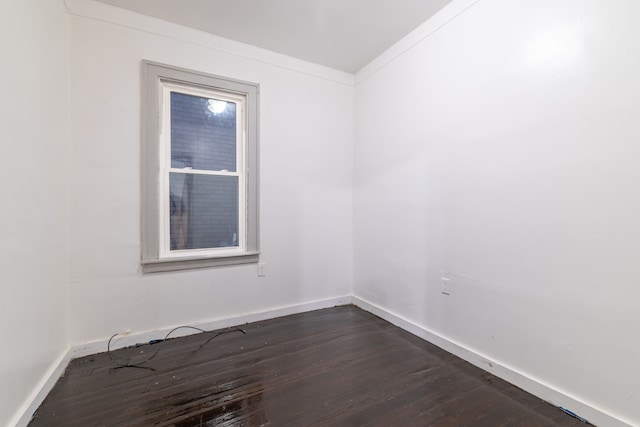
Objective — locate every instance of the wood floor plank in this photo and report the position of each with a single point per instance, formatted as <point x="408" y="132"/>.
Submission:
<point x="333" y="367"/>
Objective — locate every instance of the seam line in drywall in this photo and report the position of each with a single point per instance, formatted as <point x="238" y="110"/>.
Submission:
<point x="412" y="45"/>
<point x="220" y="49"/>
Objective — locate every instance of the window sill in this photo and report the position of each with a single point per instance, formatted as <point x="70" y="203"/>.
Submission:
<point x="193" y="262"/>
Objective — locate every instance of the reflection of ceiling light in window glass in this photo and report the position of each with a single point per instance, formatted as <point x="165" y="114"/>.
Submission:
<point x="216" y="106"/>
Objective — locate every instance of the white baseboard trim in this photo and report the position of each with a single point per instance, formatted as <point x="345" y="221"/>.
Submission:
<point x="132" y="338"/>
<point x="55" y="371"/>
<point x="536" y="387"/>
<point x="24" y="414"/>
<point x="544" y="391"/>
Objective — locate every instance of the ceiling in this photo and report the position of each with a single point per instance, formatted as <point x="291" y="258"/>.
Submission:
<point x="341" y="34"/>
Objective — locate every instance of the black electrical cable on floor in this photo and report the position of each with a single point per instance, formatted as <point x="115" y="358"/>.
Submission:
<point x="162" y="341"/>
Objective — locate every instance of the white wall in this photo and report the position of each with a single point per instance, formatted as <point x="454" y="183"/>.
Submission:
<point x="306" y="159"/>
<point x="34" y="228"/>
<point x="501" y="151"/>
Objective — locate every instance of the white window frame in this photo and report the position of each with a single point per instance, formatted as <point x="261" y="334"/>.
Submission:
<point x="165" y="170"/>
<point x="159" y="81"/>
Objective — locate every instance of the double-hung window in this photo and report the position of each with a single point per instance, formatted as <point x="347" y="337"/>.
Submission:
<point x="200" y="170"/>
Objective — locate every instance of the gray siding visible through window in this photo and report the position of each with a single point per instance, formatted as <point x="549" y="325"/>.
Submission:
<point x="203" y="209"/>
<point x="201" y="139"/>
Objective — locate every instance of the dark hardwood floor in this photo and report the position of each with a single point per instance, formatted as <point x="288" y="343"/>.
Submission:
<point x="339" y="366"/>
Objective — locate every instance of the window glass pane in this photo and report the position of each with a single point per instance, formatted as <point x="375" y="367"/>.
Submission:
<point x="203" y="211"/>
<point x="203" y="133"/>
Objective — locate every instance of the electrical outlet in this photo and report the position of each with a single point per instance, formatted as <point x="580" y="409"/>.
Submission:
<point x="262" y="269"/>
<point x="445" y="288"/>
